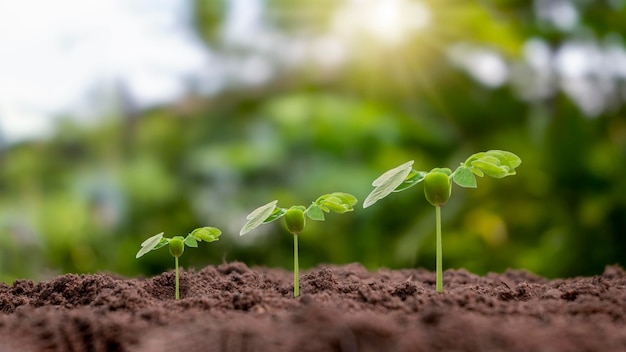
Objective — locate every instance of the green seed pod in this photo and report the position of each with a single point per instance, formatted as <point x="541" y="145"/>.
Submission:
<point x="437" y="187"/>
<point x="177" y="247"/>
<point x="294" y="218"/>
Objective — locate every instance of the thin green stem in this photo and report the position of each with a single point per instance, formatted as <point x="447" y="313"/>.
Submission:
<point x="439" y="251"/>
<point x="296" y="275"/>
<point x="176" y="261"/>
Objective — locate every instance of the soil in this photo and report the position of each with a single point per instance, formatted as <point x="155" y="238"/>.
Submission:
<point x="341" y="308"/>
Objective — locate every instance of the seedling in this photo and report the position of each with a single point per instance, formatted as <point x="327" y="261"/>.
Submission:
<point x="295" y="219"/>
<point x="438" y="186"/>
<point x="177" y="244"/>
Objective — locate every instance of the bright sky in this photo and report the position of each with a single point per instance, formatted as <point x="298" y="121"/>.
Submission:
<point x="62" y="56"/>
<point x="70" y="57"/>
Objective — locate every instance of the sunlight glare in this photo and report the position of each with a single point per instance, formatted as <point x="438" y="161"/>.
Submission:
<point x="389" y="21"/>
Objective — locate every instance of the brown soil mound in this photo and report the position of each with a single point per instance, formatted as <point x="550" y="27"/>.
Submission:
<point x="341" y="308"/>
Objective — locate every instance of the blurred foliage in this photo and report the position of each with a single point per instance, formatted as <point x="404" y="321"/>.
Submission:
<point x="84" y="200"/>
<point x="208" y="18"/>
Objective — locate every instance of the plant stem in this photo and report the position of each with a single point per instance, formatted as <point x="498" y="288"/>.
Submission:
<point x="439" y="250"/>
<point x="176" y="261"/>
<point x="296" y="280"/>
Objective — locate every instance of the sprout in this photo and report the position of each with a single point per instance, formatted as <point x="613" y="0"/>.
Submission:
<point x="438" y="186"/>
<point x="295" y="220"/>
<point x="177" y="244"/>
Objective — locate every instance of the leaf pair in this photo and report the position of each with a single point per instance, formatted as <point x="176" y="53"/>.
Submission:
<point x="494" y="163"/>
<point x="394" y="180"/>
<point x="206" y="234"/>
<point x="337" y="202"/>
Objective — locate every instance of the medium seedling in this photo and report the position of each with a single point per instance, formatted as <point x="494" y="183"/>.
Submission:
<point x="295" y="219"/>
<point x="177" y="244"/>
<point x="438" y="185"/>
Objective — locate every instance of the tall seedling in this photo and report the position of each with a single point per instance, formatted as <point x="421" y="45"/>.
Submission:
<point x="438" y="185"/>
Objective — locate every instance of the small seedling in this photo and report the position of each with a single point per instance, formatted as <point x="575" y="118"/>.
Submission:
<point x="295" y="219"/>
<point x="438" y="185"/>
<point x="177" y="244"/>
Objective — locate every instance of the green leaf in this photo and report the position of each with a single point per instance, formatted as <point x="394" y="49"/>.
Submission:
<point x="149" y="244"/>
<point x="411" y="180"/>
<point x="464" y="177"/>
<point x="259" y="216"/>
<point x="387" y="182"/>
<point x="276" y="214"/>
<point x="190" y="241"/>
<point x="337" y="202"/>
<point x="314" y="212"/>
<point x="494" y="163"/>
<point x="477" y="172"/>
<point x="163" y="243"/>
<point x="206" y="234"/>
<point x="346" y="198"/>
<point x="490" y="166"/>
<point x="506" y="158"/>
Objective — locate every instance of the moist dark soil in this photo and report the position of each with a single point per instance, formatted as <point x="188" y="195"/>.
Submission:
<point x="341" y="308"/>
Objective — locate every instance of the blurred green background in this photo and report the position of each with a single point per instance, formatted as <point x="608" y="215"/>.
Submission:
<point x="351" y="89"/>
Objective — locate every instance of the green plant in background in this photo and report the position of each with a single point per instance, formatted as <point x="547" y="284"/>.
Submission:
<point x="177" y="244"/>
<point x="295" y="219"/>
<point x="438" y="185"/>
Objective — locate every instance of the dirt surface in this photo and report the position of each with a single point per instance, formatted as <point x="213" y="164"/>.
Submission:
<point x="341" y="308"/>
